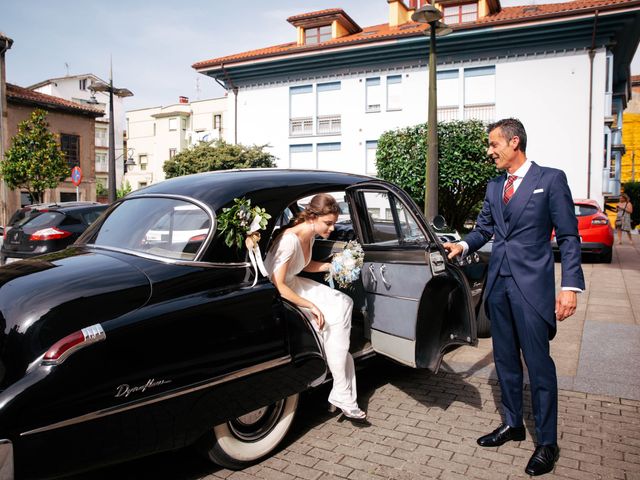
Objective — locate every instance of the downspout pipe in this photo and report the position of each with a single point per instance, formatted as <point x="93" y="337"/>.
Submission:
<point x="592" y="54"/>
<point x="229" y="82"/>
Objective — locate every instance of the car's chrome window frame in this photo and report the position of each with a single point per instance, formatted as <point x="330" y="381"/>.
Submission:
<point x="174" y="261"/>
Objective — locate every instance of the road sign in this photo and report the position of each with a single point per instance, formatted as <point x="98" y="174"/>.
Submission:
<point x="76" y="176"/>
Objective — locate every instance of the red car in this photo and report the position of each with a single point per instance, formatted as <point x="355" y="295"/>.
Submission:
<point x="596" y="234"/>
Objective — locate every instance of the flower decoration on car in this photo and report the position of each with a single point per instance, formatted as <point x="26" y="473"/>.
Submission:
<point x="346" y="265"/>
<point x="240" y="225"/>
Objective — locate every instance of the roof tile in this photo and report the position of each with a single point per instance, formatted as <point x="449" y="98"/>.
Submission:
<point x="21" y="93"/>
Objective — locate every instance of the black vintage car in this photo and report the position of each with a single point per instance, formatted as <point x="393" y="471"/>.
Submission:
<point x="147" y="334"/>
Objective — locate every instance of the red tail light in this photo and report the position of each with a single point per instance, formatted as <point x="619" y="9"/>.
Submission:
<point x="198" y="238"/>
<point x="61" y="350"/>
<point x="51" y="233"/>
<point x="600" y="221"/>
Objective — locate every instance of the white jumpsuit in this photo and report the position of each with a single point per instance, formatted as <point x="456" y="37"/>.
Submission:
<point x="336" y="308"/>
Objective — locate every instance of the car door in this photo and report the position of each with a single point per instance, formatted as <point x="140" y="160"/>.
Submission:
<point x="418" y="304"/>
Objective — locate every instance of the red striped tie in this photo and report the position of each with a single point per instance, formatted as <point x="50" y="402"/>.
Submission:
<point x="508" y="189"/>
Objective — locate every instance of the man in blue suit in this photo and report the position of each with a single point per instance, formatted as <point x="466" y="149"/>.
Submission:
<point x="520" y="210"/>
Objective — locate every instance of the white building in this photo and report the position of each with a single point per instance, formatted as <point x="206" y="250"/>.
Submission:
<point x="156" y="134"/>
<point x="323" y="100"/>
<point x="77" y="88"/>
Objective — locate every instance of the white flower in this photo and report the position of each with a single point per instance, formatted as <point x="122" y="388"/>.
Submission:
<point x="255" y="224"/>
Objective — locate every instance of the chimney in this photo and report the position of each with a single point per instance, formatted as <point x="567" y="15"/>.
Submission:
<point x="182" y="99"/>
<point x="399" y="14"/>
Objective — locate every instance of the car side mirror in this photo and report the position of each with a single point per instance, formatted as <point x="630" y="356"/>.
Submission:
<point x="439" y="222"/>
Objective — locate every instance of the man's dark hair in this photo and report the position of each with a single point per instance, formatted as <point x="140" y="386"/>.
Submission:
<point x="511" y="127"/>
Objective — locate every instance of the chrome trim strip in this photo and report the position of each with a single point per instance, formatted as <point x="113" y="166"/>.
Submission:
<point x="163" y="396"/>
<point x="6" y="460"/>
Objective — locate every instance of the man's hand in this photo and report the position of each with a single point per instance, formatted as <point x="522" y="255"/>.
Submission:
<point x="566" y="304"/>
<point x="454" y="249"/>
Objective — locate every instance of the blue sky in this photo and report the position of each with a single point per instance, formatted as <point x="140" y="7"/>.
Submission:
<point x="153" y="48"/>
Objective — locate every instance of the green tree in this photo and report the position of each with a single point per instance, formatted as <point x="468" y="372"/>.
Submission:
<point x="463" y="166"/>
<point x="219" y="155"/>
<point x="124" y="190"/>
<point x="34" y="162"/>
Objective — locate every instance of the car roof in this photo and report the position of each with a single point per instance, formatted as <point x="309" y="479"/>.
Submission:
<point x="270" y="188"/>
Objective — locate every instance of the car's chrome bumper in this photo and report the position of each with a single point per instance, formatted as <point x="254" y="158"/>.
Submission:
<point x="6" y="459"/>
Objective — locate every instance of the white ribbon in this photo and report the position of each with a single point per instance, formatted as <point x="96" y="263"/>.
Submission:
<point x="255" y="256"/>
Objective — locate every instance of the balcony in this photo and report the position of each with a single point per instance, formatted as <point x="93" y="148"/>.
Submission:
<point x="329" y="124"/>
<point x="301" y="126"/>
<point x="485" y="113"/>
<point x="447" y="114"/>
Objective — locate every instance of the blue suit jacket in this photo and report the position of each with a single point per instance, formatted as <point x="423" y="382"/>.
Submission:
<point x="522" y="232"/>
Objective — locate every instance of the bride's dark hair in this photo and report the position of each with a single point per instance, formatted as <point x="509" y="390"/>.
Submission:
<point x="321" y="204"/>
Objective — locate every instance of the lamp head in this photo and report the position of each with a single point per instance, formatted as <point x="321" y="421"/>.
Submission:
<point x="426" y="14"/>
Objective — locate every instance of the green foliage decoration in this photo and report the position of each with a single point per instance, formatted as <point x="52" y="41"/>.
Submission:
<point x="124" y="190"/>
<point x="34" y="162"/>
<point x="218" y="155"/>
<point x="241" y="220"/>
<point x="463" y="166"/>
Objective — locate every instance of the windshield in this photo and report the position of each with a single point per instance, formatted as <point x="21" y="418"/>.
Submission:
<point x="166" y="227"/>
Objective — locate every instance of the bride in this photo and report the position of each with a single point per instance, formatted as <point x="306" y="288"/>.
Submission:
<point x="330" y="309"/>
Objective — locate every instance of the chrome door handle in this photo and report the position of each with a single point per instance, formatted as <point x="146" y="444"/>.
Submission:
<point x="372" y="271"/>
<point x="383" y="269"/>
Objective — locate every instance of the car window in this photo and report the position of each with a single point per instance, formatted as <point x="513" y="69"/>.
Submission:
<point x="389" y="222"/>
<point x="92" y="215"/>
<point x="344" y="227"/>
<point x="584" y="210"/>
<point x="42" y="219"/>
<point x="165" y="227"/>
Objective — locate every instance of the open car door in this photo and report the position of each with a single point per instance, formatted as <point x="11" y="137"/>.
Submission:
<point x="419" y="305"/>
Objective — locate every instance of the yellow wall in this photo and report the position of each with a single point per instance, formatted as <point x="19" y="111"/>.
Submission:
<point x="631" y="141"/>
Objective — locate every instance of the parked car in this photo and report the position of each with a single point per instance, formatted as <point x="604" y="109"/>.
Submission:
<point x="44" y="228"/>
<point x="120" y="346"/>
<point x="596" y="233"/>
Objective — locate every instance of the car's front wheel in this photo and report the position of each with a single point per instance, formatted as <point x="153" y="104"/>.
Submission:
<point x="243" y="441"/>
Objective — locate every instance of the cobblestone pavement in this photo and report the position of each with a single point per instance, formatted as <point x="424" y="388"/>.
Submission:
<point x="425" y="425"/>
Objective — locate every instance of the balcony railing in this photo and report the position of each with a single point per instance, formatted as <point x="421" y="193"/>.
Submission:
<point x="446" y="114"/>
<point x="301" y="126"/>
<point x="329" y="124"/>
<point x="485" y="113"/>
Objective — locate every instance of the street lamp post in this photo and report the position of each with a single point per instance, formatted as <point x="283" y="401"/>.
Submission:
<point x="120" y="92"/>
<point x="431" y="15"/>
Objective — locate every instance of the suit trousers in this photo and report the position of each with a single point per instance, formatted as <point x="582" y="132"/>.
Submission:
<point x="516" y="327"/>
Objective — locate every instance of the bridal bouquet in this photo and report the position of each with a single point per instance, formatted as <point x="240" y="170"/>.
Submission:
<point x="346" y="265"/>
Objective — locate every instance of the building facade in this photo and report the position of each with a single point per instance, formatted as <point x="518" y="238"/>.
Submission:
<point x="5" y="44"/>
<point x="322" y="100"/>
<point x="155" y="135"/>
<point x="78" y="88"/>
<point x="73" y="125"/>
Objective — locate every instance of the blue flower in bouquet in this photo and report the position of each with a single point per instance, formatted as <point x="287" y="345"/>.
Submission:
<point x="346" y="265"/>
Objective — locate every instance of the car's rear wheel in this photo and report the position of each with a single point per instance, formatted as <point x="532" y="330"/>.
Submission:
<point x="484" y="324"/>
<point x="245" y="440"/>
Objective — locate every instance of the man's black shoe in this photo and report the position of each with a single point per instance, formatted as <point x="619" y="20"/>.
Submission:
<point x="502" y="435"/>
<point x="543" y="460"/>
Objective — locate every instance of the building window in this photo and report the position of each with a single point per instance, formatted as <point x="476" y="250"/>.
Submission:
<point x="70" y="146"/>
<point x="330" y="157"/>
<point x="301" y="156"/>
<point x="373" y="95"/>
<point x="101" y="162"/>
<point x="301" y="110"/>
<point x="467" y="12"/>
<point x="184" y="123"/>
<point x="329" y="101"/>
<point x="394" y="92"/>
<point x="142" y="160"/>
<point x="480" y="93"/>
<point x="173" y="124"/>
<point x="217" y="121"/>
<point x="317" y="35"/>
<point x="172" y="153"/>
<point x="83" y="84"/>
<point x="142" y="184"/>
<point x="372" y="147"/>
<point x="467" y="93"/>
<point x="68" y="197"/>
